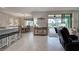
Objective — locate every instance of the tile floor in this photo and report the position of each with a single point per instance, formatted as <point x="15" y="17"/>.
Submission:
<point x="28" y="42"/>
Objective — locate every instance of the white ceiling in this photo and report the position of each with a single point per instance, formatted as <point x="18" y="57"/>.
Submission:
<point x="21" y="11"/>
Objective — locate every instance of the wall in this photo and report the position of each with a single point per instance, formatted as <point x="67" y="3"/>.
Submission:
<point x="75" y="20"/>
<point x="8" y="20"/>
<point x="4" y="20"/>
<point x="13" y="21"/>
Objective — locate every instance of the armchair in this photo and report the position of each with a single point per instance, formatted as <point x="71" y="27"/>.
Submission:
<point x="69" y="42"/>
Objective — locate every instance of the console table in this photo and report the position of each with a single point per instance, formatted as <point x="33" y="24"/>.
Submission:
<point x="41" y="31"/>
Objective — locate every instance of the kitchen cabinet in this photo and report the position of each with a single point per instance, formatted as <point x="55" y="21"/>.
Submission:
<point x="7" y="36"/>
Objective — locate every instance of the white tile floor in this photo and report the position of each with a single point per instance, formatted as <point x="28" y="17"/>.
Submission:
<point x="28" y="42"/>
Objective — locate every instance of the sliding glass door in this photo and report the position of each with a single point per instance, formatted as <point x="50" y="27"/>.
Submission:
<point x="67" y="20"/>
<point x="60" y="20"/>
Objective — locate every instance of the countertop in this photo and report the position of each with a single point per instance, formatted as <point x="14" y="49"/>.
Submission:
<point x="7" y="30"/>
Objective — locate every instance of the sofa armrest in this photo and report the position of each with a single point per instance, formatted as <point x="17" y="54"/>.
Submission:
<point x="74" y="37"/>
<point x="72" y="46"/>
<point x="75" y="41"/>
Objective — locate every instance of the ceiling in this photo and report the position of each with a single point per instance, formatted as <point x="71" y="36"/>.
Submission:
<point x="27" y="11"/>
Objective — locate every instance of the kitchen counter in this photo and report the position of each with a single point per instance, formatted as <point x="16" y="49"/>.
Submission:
<point x="8" y="30"/>
<point x="8" y="35"/>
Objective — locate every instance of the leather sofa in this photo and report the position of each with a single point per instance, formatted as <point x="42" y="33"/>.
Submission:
<point x="69" y="42"/>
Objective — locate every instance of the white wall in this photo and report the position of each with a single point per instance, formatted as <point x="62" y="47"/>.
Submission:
<point x="6" y="20"/>
<point x="13" y="21"/>
<point x="75" y="19"/>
